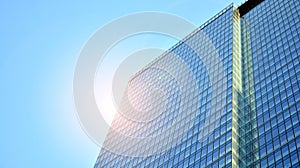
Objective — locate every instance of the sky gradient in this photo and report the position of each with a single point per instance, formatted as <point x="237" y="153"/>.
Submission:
<point x="40" y="43"/>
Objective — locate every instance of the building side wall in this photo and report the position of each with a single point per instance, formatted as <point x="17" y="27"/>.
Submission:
<point x="272" y="53"/>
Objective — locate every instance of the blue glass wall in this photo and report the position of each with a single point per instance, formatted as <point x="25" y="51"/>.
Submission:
<point x="191" y="150"/>
<point x="273" y="45"/>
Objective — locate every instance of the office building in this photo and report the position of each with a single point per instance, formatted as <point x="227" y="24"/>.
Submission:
<point x="252" y="120"/>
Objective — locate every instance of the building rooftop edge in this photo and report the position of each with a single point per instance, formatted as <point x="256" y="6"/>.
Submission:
<point x="183" y="40"/>
<point x="248" y="5"/>
<point x="243" y="9"/>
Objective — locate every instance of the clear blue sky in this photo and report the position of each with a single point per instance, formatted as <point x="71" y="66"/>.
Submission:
<point x="40" y="43"/>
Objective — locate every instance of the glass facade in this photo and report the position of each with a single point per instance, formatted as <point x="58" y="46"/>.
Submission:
<point x="259" y="126"/>
<point x="271" y="55"/>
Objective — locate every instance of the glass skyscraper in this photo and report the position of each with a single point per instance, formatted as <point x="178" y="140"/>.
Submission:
<point x="250" y="120"/>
